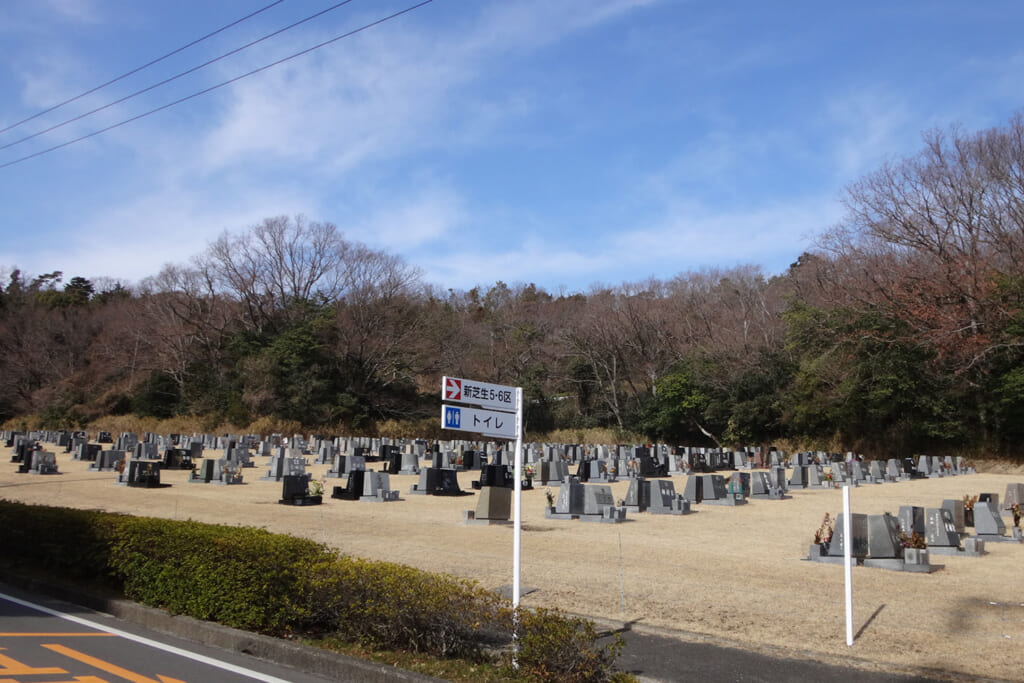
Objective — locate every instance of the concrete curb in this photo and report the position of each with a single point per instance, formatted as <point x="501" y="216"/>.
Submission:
<point x="277" y="650"/>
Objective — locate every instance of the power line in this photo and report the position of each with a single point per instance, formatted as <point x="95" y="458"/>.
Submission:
<point x="138" y="69"/>
<point x="175" y="77"/>
<point x="219" y="85"/>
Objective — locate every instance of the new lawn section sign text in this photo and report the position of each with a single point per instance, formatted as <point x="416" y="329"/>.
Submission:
<point x="496" y="396"/>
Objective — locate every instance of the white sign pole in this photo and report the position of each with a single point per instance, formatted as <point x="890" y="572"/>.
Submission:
<point x="517" y="499"/>
<point x="517" y="525"/>
<point x="848" y="561"/>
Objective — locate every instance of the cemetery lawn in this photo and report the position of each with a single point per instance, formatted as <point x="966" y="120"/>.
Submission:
<point x="733" y="575"/>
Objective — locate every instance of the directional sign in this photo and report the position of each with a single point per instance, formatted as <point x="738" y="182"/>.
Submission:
<point x="452" y="389"/>
<point x="496" y="396"/>
<point x="486" y="422"/>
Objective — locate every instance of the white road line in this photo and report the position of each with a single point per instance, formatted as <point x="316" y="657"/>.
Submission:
<point x="259" y="676"/>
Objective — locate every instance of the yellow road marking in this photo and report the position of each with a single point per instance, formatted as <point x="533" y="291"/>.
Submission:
<point x="13" y="667"/>
<point x="107" y="666"/>
<point x="56" y="635"/>
<point x="76" y="679"/>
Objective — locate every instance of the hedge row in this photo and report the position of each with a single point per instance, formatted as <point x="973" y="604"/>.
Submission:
<point x="255" y="580"/>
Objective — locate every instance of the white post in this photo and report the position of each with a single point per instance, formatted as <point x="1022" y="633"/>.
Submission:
<point x="848" y="561"/>
<point x="517" y="525"/>
<point x="517" y="499"/>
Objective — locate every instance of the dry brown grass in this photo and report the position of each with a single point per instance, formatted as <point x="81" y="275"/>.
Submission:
<point x="735" y="575"/>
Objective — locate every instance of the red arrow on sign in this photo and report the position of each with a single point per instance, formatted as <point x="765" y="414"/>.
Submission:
<point x="452" y="389"/>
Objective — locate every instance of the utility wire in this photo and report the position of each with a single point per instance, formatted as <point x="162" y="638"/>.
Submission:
<point x="138" y="69"/>
<point x="219" y="85"/>
<point x="174" y="77"/>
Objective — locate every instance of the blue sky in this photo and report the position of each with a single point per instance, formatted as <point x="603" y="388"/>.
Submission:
<point x="568" y="143"/>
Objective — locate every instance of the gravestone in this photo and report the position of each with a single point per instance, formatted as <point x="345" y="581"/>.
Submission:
<point x="885" y="550"/>
<point x="177" y="459"/>
<point x="715" y="491"/>
<point x="893" y="471"/>
<point x="87" y="452"/>
<point x="553" y="472"/>
<point x="911" y="519"/>
<point x="740" y="483"/>
<point x="494" y="475"/>
<point x="43" y="462"/>
<point x="569" y="504"/>
<point x="662" y="499"/>
<point x="106" y="461"/>
<point x="761" y="486"/>
<point x="436" y="481"/>
<point x="295" y="491"/>
<point x="816" y="477"/>
<point x="875" y="472"/>
<point x="410" y="463"/>
<point x="956" y="510"/>
<point x="353" y="489"/>
<point x="798" y="480"/>
<point x="492" y="507"/>
<point x="1014" y="496"/>
<point x="884" y="537"/>
<point x="859" y="534"/>
<point x="226" y="473"/>
<point x="205" y="473"/>
<point x="142" y="473"/>
<point x="377" y="488"/>
<point x="940" y="530"/>
<point x="599" y="505"/>
<point x="694" y="491"/>
<point x="638" y="497"/>
<point x="988" y="522"/>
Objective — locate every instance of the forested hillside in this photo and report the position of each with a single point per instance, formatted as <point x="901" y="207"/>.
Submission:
<point x="901" y="331"/>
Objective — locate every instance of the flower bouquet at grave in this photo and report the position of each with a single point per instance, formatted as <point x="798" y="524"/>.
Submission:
<point x="824" y="533"/>
<point x="969" y="502"/>
<point x="529" y="471"/>
<point x="549" y="497"/>
<point x="914" y="540"/>
<point x="1015" y="510"/>
<point x="316" y="488"/>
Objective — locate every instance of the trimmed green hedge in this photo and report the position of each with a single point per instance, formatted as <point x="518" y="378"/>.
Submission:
<point x="252" y="579"/>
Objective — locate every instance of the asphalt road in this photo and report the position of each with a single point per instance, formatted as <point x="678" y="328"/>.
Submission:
<point x="655" y="658"/>
<point x="69" y="644"/>
<point x="40" y="636"/>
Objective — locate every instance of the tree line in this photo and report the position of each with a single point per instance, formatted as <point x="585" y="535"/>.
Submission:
<point x="901" y="330"/>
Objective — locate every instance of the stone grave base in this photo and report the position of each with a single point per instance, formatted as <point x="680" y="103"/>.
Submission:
<point x="609" y="515"/>
<point x="383" y="497"/>
<point x="832" y="559"/>
<point x="302" y="500"/>
<point x="469" y="517"/>
<point x="219" y="482"/>
<point x="769" y="496"/>
<point x="340" y="493"/>
<point x="995" y="538"/>
<point x="892" y="563"/>
<point x="922" y="568"/>
<point x="144" y="485"/>
<point x="955" y="552"/>
<point x="725" y="501"/>
<point x="414" y="490"/>
<point x="549" y="513"/>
